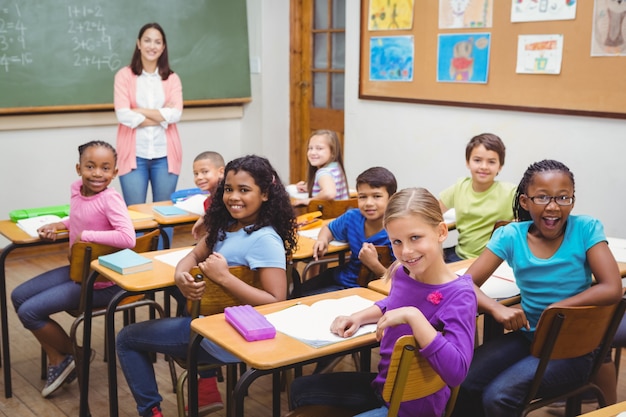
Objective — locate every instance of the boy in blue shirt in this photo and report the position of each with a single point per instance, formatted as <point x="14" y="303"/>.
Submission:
<point x="362" y="229"/>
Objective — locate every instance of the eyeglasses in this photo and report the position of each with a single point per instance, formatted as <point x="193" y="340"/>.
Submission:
<point x="544" y="200"/>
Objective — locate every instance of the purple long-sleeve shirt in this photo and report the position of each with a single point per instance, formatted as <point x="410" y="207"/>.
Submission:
<point x="451" y="309"/>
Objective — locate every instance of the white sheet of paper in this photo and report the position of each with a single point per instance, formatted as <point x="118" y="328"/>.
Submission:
<point x="193" y="204"/>
<point x="313" y="233"/>
<point x="501" y="284"/>
<point x="618" y="248"/>
<point x="172" y="258"/>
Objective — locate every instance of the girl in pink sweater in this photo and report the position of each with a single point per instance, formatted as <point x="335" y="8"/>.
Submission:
<point x="97" y="214"/>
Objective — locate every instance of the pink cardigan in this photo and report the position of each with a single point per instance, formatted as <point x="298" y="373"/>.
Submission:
<point x="125" y="88"/>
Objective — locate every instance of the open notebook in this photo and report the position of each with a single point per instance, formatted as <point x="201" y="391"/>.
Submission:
<point x="501" y="284"/>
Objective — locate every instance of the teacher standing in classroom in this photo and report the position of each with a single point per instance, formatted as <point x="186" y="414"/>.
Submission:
<point x="148" y="98"/>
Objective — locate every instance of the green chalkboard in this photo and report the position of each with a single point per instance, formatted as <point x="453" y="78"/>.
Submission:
<point x="62" y="55"/>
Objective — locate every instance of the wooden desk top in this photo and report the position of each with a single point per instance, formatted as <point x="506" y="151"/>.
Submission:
<point x="12" y="231"/>
<point x="282" y="350"/>
<point x="610" y="411"/>
<point x="305" y="249"/>
<point x="161" y="275"/>
<point x="164" y="220"/>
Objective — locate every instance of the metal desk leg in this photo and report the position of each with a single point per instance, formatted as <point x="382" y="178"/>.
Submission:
<point x="6" y="354"/>
<point x="84" y="372"/>
<point x="110" y="347"/>
<point x="192" y="374"/>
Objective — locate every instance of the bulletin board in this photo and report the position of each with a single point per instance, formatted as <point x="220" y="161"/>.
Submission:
<point x="587" y="85"/>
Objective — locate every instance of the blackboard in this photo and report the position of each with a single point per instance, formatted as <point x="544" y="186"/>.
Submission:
<point x="587" y="85"/>
<point x="62" y="55"/>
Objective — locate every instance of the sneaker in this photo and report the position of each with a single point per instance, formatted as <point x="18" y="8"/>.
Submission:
<point x="209" y="398"/>
<point x="57" y="375"/>
<point x="74" y="374"/>
<point x="156" y="412"/>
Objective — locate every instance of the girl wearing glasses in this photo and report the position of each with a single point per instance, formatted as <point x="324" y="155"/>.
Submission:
<point x="553" y="255"/>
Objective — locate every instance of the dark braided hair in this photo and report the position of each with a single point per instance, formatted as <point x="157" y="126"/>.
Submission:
<point x="276" y="212"/>
<point x="546" y="165"/>
<point x="96" y="143"/>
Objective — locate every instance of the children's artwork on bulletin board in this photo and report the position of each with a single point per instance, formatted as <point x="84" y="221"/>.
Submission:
<point x="463" y="58"/>
<point x="391" y="58"/>
<point x="539" y="54"/>
<point x="458" y="14"/>
<point x="609" y="28"/>
<point x="390" y="15"/>
<point x="538" y="10"/>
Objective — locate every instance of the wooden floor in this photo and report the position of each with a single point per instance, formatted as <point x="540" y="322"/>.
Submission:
<point x="25" y="360"/>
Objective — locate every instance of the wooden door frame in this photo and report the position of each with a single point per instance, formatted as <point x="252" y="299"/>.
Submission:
<point x="296" y="68"/>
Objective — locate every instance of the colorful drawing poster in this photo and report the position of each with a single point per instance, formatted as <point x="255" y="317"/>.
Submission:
<point x="539" y="54"/>
<point x="609" y="28"/>
<point x="390" y="15"/>
<point x="391" y="58"/>
<point x="538" y="10"/>
<point x="463" y="58"/>
<point x="457" y="14"/>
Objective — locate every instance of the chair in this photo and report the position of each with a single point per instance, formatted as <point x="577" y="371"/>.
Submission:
<point x="332" y="208"/>
<point x="81" y="255"/>
<point x="410" y="377"/>
<point x="214" y="300"/>
<point x="558" y="336"/>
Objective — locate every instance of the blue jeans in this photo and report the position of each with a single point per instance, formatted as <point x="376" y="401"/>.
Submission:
<point x="449" y="255"/>
<point x="52" y="292"/>
<point x="153" y="171"/>
<point x="169" y="336"/>
<point x="500" y="376"/>
<point x="342" y="389"/>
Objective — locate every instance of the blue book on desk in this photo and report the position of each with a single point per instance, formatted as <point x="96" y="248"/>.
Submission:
<point x="125" y="262"/>
<point x="169" y="210"/>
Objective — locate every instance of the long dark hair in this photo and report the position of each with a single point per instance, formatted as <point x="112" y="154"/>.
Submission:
<point x="276" y="212"/>
<point x="520" y="213"/>
<point x="163" y="63"/>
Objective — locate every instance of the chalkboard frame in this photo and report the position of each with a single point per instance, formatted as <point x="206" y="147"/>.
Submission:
<point x="219" y="50"/>
<point x="505" y="90"/>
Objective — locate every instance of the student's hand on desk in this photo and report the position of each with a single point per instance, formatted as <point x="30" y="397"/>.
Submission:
<point x="320" y="247"/>
<point x="191" y="289"/>
<point x="50" y="231"/>
<point x="344" y="326"/>
<point x="215" y="267"/>
<point x="301" y="187"/>
<point x="512" y="318"/>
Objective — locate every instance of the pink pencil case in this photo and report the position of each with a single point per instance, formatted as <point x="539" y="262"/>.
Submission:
<point x="251" y="324"/>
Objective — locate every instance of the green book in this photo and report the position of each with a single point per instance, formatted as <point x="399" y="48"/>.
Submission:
<point x="126" y="261"/>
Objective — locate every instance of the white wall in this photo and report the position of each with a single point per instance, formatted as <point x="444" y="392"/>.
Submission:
<point x="423" y="145"/>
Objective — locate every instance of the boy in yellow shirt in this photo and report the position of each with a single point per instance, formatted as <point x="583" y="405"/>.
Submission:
<point x="479" y="201"/>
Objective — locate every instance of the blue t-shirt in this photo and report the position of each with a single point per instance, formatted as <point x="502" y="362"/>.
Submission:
<point x="350" y="227"/>
<point x="545" y="281"/>
<point x="262" y="248"/>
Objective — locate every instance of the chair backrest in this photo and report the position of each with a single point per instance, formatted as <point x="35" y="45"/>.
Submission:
<point x="410" y="376"/>
<point x="569" y="332"/>
<point x="82" y="253"/>
<point x="332" y="208"/>
<point x="366" y="274"/>
<point x="215" y="298"/>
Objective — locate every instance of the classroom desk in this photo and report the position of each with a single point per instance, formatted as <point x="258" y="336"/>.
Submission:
<point x="160" y="277"/>
<point x="21" y="239"/>
<point x="304" y="253"/>
<point x="610" y="411"/>
<point x="164" y="221"/>
<point x="269" y="356"/>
